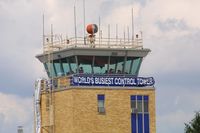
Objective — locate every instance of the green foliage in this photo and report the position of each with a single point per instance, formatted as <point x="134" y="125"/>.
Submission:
<point x="194" y="125"/>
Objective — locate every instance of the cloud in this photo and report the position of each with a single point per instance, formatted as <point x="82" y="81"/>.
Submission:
<point x="21" y="40"/>
<point x="177" y="107"/>
<point x="174" y="121"/>
<point x="15" y="111"/>
<point x="172" y="24"/>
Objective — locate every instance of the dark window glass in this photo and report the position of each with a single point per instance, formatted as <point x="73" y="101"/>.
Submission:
<point x="128" y="65"/>
<point x="58" y="68"/>
<point x="73" y="64"/>
<point x="146" y="106"/>
<point x="120" y="65"/>
<point x="100" y="65"/>
<point x="133" y="104"/>
<point x="47" y="70"/>
<point x="51" y="69"/>
<point x="65" y="66"/>
<point x="139" y="105"/>
<point x="85" y="64"/>
<point x="136" y="66"/>
<point x="116" y="65"/>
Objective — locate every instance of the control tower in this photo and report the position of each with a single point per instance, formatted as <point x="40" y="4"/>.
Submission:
<point x="94" y="87"/>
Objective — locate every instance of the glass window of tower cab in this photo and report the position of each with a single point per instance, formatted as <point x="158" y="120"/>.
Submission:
<point x="98" y="65"/>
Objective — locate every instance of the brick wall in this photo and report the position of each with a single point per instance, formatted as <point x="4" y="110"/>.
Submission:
<point x="75" y="110"/>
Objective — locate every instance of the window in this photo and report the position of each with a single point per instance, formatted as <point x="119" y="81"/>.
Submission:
<point x="101" y="100"/>
<point x="73" y="64"/>
<point x="58" y="67"/>
<point x="65" y="66"/>
<point x="140" y="103"/>
<point x="146" y="105"/>
<point x="100" y="65"/>
<point x="85" y="64"/>
<point x="120" y="65"/>
<point x="116" y="65"/>
<point x="140" y="114"/>
<point x="47" y="70"/>
<point x="50" y="69"/>
<point x="133" y="102"/>
<point x="136" y="66"/>
<point x="128" y="65"/>
<point x="112" y="65"/>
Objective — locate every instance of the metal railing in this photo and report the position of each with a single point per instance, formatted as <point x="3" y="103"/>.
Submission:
<point x="80" y="42"/>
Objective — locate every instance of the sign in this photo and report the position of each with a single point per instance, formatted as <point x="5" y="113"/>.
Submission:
<point x="105" y="80"/>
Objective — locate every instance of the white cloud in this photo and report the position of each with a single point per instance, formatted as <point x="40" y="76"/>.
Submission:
<point x="179" y="9"/>
<point x="174" y="121"/>
<point x="176" y="106"/>
<point x="15" y="111"/>
<point x="171" y="31"/>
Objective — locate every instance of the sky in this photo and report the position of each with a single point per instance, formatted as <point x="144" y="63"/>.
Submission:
<point x="171" y="29"/>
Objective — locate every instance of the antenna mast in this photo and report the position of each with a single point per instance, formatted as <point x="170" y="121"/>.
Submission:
<point x="116" y="33"/>
<point x="132" y="19"/>
<point x="128" y="33"/>
<point x="109" y="34"/>
<point x="84" y="19"/>
<point x="75" y="22"/>
<point x="99" y="30"/>
<point x="43" y="36"/>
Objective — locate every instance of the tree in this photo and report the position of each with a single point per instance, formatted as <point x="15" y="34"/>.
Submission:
<point x="194" y="125"/>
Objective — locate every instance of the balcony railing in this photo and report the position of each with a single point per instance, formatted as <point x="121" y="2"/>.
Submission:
<point x="57" y="44"/>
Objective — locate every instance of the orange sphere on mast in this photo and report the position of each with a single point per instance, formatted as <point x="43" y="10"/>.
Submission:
<point x="92" y="28"/>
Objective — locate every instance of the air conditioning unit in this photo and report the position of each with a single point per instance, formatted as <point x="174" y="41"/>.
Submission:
<point x="134" y="110"/>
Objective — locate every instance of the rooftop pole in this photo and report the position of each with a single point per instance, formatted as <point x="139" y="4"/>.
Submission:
<point x="132" y="25"/>
<point x="116" y="33"/>
<point x="109" y="35"/>
<point x="124" y="35"/>
<point x="75" y="22"/>
<point x="43" y="36"/>
<point x="128" y="33"/>
<point x="99" y="30"/>
<point x="84" y="20"/>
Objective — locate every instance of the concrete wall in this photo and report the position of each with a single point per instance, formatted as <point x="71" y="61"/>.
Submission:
<point x="75" y="110"/>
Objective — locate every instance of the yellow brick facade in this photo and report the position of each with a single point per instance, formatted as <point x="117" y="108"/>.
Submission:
<point x="75" y="110"/>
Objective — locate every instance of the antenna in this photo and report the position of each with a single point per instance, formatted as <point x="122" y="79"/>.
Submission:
<point x="108" y="34"/>
<point x="116" y="33"/>
<point x="84" y="19"/>
<point x="43" y="37"/>
<point x="99" y="30"/>
<point x="128" y="33"/>
<point x="132" y="19"/>
<point x="52" y="34"/>
<point x="124" y="35"/>
<point x="75" y="22"/>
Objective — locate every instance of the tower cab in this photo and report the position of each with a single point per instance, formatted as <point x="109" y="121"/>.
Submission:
<point x="94" y="61"/>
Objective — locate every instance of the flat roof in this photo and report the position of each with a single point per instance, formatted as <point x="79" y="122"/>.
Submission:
<point x="75" y="51"/>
